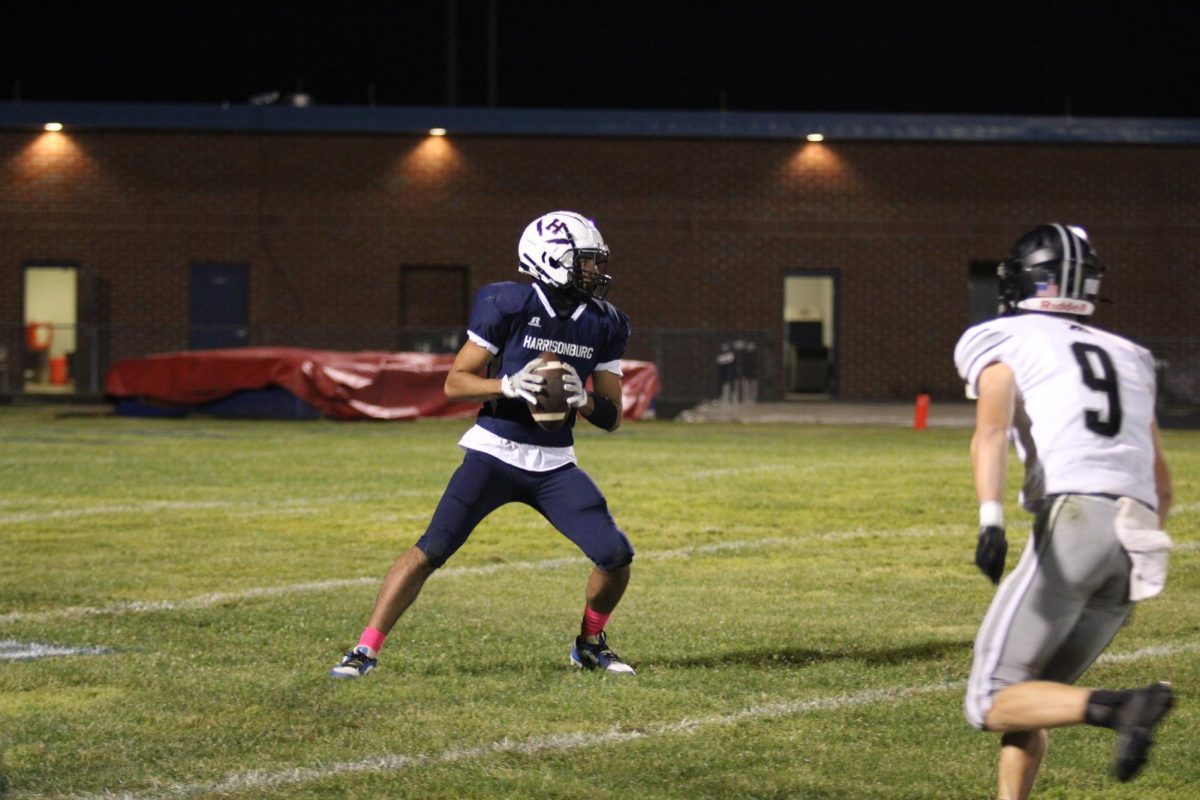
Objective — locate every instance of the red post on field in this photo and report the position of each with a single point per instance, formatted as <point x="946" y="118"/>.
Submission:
<point x="921" y="413"/>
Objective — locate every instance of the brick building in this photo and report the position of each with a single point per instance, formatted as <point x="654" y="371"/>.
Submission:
<point x="844" y="267"/>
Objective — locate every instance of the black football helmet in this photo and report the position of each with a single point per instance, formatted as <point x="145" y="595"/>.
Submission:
<point x="1054" y="269"/>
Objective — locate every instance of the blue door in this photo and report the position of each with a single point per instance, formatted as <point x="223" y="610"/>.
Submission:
<point x="219" y="306"/>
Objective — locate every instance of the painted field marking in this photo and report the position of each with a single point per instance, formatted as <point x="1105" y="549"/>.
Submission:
<point x="217" y="598"/>
<point x="309" y="504"/>
<point x="13" y="650"/>
<point x="724" y="472"/>
<point x="256" y="780"/>
<point x="249" y="507"/>
<point x="396" y="762"/>
<point x="1153" y="651"/>
<point x="122" y="508"/>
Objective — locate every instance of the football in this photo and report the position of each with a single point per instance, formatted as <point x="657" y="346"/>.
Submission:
<point x="551" y="409"/>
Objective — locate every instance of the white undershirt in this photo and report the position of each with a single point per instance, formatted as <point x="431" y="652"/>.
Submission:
<point x="531" y="457"/>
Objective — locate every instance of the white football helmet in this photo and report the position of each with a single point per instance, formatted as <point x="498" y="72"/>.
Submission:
<point x="552" y="247"/>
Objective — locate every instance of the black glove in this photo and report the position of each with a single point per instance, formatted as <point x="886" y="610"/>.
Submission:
<point x="991" y="551"/>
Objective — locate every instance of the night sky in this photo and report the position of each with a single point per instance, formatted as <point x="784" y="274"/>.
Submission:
<point x="1050" y="58"/>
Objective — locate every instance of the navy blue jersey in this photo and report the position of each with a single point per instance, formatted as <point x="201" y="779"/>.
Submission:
<point x="516" y="322"/>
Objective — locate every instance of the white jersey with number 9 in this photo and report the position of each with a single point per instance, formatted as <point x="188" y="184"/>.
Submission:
<point x="1085" y="404"/>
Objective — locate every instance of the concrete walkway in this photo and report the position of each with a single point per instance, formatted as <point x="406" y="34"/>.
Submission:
<point x="832" y="412"/>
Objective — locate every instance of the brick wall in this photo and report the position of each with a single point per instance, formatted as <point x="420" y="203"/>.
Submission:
<point x="702" y="231"/>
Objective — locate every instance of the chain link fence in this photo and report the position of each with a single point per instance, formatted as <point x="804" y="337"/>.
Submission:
<point x="725" y="367"/>
<point x="1177" y="359"/>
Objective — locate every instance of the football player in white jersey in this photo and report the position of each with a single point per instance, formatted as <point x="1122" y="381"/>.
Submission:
<point x="1078" y="403"/>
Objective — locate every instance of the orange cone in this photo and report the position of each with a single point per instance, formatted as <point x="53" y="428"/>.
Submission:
<point x="921" y="413"/>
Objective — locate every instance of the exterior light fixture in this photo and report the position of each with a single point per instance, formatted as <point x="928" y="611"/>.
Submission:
<point x="437" y="131"/>
<point x="815" y="137"/>
<point x="53" y="127"/>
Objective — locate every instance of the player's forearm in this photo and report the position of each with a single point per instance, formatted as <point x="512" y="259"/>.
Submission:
<point x="993" y="418"/>
<point x="609" y="416"/>
<point x="1166" y="496"/>
<point x="989" y="457"/>
<point x="1164" y="488"/>
<point x="607" y="389"/>
<point x="467" y="387"/>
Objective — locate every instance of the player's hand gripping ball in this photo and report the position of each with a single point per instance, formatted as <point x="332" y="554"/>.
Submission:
<point x="551" y="406"/>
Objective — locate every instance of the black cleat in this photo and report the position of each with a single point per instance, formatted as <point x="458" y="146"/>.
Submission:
<point x="1136" y="720"/>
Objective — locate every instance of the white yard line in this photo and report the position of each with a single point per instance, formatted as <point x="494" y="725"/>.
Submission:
<point x="12" y="650"/>
<point x="249" y="506"/>
<point x="307" y="504"/>
<point x="217" y="598"/>
<point x="1154" y="651"/>
<point x="259" y="780"/>
<point x="724" y="472"/>
<point x="203" y="601"/>
<point x="146" y="507"/>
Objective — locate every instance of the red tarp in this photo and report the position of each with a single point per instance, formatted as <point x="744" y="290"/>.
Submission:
<point x="364" y="385"/>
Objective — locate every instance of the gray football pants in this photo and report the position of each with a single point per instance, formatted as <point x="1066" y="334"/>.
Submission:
<point x="1061" y="606"/>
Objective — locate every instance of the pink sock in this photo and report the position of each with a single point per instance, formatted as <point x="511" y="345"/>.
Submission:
<point x="593" y="622"/>
<point x="372" y="640"/>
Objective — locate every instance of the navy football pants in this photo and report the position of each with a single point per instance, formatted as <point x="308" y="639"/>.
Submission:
<point x="566" y="496"/>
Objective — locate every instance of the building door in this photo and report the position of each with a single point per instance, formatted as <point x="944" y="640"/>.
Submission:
<point x="219" y="306"/>
<point x="983" y="292"/>
<point x="810" y="334"/>
<point x="50" y="328"/>
<point x="90" y="363"/>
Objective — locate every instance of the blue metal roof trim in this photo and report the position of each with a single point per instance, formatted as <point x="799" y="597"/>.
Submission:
<point x="599" y="123"/>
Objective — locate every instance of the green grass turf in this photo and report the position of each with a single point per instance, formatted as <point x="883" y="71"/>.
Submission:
<point x="801" y="616"/>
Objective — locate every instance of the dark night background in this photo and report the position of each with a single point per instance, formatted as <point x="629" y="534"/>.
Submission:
<point x="1051" y="58"/>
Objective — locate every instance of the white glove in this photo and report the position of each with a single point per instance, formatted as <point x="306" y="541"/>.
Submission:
<point x="573" y="386"/>
<point x="525" y="384"/>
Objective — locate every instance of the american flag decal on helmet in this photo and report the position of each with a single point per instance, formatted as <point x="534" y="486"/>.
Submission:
<point x="1046" y="289"/>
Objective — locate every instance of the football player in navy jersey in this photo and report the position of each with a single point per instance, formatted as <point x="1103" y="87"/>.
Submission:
<point x="509" y="458"/>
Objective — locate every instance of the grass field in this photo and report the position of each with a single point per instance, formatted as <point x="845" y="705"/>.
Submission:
<point x="801" y="615"/>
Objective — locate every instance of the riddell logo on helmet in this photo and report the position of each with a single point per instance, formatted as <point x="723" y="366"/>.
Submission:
<point x="1064" y="306"/>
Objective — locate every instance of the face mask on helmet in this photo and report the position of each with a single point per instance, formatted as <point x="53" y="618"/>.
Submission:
<point x="565" y="252"/>
<point x="1052" y="269"/>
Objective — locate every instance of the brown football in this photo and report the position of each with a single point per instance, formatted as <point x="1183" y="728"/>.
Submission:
<point x="551" y="409"/>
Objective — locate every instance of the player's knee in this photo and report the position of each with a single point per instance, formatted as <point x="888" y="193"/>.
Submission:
<point x="436" y="548"/>
<point x="617" y="553"/>
<point x="976" y="708"/>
